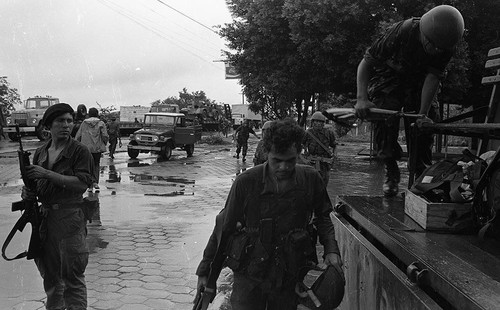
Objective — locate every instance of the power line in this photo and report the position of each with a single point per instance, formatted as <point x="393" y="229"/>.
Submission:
<point x="130" y="16"/>
<point x="194" y="20"/>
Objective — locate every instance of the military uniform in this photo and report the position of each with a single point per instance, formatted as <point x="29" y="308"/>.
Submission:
<point x="313" y="148"/>
<point x="65" y="252"/>
<point x="271" y="252"/>
<point x="243" y="133"/>
<point x="401" y="65"/>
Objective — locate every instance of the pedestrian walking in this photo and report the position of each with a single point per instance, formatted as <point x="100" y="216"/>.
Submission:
<point x="260" y="156"/>
<point x="94" y="135"/>
<point x="61" y="170"/>
<point x="319" y="146"/>
<point x="264" y="225"/>
<point x="402" y="70"/>
<point x="241" y="135"/>
<point x="80" y="116"/>
<point x="114" y="136"/>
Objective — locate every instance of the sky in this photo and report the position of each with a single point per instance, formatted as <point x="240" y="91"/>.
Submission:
<point x="115" y="52"/>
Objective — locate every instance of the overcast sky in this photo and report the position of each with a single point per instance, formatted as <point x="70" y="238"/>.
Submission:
<point x="115" y="52"/>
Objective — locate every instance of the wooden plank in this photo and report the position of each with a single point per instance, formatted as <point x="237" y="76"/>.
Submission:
<point x="372" y="280"/>
<point x="435" y="216"/>
<point x="494" y="52"/>
<point x="488" y="80"/>
<point x="492" y="64"/>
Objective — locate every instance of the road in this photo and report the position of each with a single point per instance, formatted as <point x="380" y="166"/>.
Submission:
<point x="154" y="221"/>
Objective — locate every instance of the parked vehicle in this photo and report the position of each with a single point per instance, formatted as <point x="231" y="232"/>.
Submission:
<point x="241" y="112"/>
<point x="29" y="118"/>
<point x="131" y="118"/>
<point x="208" y="116"/>
<point x="162" y="133"/>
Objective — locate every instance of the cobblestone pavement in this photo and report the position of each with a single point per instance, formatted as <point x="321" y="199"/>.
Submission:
<point x="154" y="221"/>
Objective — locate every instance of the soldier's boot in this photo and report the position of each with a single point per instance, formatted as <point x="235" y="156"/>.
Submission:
<point x="392" y="177"/>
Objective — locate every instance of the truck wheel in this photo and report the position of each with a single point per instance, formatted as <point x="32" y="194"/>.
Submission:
<point x="190" y="150"/>
<point x="131" y="152"/>
<point x="13" y="136"/>
<point x="166" y="152"/>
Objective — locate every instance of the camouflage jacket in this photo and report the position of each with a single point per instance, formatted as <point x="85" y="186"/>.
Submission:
<point x="399" y="60"/>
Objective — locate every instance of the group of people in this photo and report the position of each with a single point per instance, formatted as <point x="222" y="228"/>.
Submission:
<point x="274" y="202"/>
<point x="266" y="220"/>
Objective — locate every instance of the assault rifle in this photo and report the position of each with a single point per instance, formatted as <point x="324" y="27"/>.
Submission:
<point x="207" y="294"/>
<point x="31" y="212"/>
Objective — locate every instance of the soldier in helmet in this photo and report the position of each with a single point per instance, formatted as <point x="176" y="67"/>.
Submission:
<point x="402" y="69"/>
<point x="317" y="143"/>
<point x="260" y="156"/>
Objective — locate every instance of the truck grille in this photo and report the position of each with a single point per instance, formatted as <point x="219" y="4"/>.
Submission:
<point x="19" y="116"/>
<point x="146" y="138"/>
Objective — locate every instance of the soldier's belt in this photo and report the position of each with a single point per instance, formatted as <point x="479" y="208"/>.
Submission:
<point x="320" y="159"/>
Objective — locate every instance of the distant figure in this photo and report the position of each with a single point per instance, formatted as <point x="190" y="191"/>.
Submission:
<point x="114" y="136"/>
<point x="317" y="143"/>
<point x="94" y="135"/>
<point x="241" y="135"/>
<point x="81" y="115"/>
<point x="260" y="156"/>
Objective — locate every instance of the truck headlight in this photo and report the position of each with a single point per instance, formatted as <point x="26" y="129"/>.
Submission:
<point x="8" y="120"/>
<point x="33" y="121"/>
<point x="155" y="138"/>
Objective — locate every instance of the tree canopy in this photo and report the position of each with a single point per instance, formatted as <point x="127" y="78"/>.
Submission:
<point x="291" y="53"/>
<point x="9" y="96"/>
<point x="185" y="99"/>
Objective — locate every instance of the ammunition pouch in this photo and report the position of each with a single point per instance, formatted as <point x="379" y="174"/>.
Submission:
<point x="238" y="246"/>
<point x="297" y="252"/>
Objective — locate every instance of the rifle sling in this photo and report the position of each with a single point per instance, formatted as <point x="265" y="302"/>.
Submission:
<point x="13" y="231"/>
<point x="319" y="142"/>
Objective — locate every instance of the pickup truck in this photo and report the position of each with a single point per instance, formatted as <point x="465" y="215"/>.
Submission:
<point x="162" y="133"/>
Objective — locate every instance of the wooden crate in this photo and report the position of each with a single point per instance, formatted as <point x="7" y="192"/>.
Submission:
<point x="451" y="217"/>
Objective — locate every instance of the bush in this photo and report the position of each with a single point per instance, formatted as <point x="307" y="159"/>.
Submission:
<point x="214" y="139"/>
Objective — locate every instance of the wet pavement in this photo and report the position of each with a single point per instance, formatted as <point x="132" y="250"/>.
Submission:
<point x="154" y="221"/>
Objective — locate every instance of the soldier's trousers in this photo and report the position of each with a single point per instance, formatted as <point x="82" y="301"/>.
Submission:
<point x="386" y="136"/>
<point x="242" y="146"/>
<point x="64" y="259"/>
<point x="247" y="295"/>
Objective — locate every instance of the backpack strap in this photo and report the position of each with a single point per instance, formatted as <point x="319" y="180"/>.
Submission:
<point x="320" y="143"/>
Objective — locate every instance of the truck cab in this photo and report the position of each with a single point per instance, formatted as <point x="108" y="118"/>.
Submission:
<point x="163" y="132"/>
<point x="29" y="118"/>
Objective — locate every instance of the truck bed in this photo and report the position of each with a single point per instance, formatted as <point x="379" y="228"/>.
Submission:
<point x="379" y="242"/>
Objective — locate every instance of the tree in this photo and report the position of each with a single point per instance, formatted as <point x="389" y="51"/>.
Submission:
<point x="9" y="97"/>
<point x="292" y="53"/>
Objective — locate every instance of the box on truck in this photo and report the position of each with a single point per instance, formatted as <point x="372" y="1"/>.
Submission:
<point x="132" y="118"/>
<point x="241" y="112"/>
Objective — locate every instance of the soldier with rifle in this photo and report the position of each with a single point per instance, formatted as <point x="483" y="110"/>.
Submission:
<point x="58" y="178"/>
<point x="317" y="143"/>
<point x="262" y="234"/>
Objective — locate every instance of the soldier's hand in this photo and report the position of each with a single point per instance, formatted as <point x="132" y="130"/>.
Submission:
<point x="333" y="259"/>
<point x="27" y="194"/>
<point x="34" y="172"/>
<point x="202" y="282"/>
<point x="363" y="107"/>
<point x="422" y="120"/>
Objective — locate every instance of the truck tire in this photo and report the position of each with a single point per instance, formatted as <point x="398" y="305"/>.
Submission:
<point x="166" y="152"/>
<point x="189" y="150"/>
<point x="133" y="153"/>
